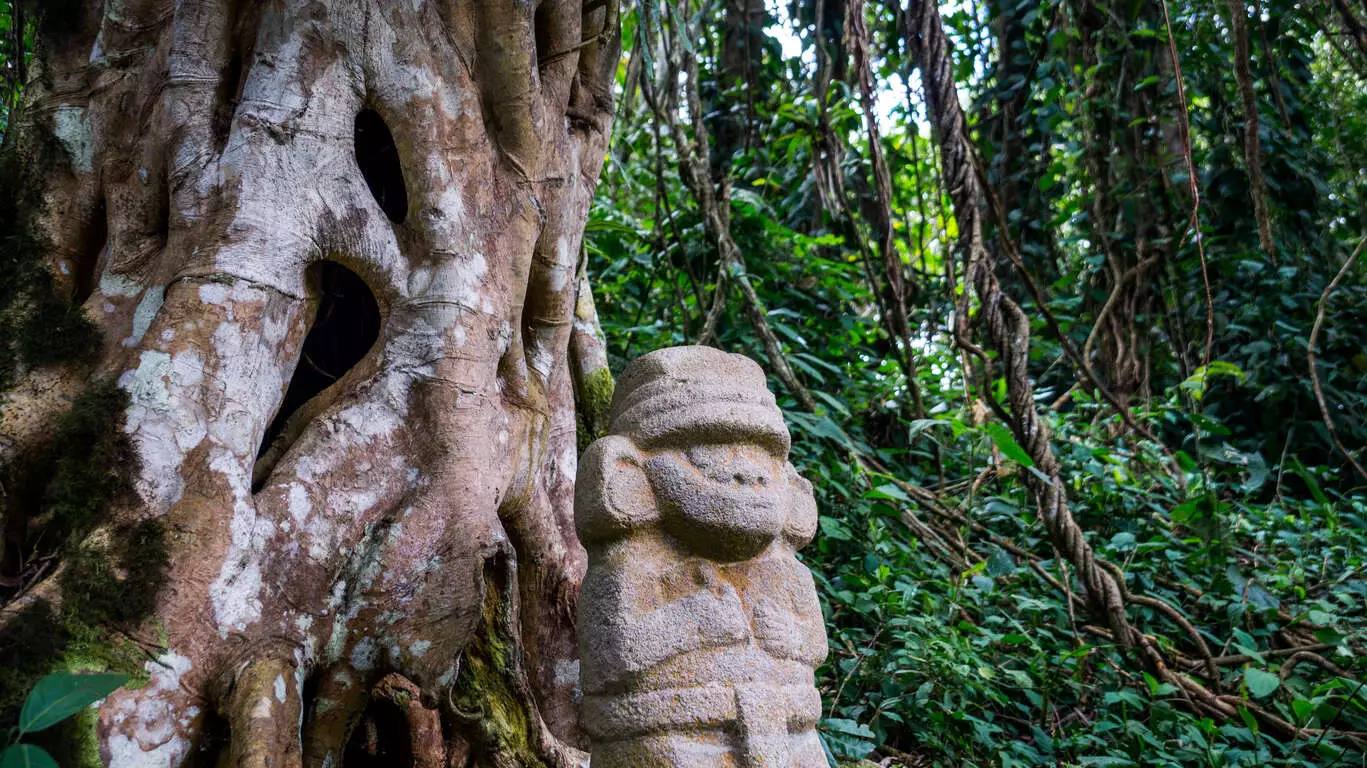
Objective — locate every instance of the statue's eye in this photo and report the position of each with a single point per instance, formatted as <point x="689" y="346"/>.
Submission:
<point x="708" y="457"/>
<point x="741" y="465"/>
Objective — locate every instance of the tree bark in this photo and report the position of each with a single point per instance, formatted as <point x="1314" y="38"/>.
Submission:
<point x="1253" y="154"/>
<point x="199" y="160"/>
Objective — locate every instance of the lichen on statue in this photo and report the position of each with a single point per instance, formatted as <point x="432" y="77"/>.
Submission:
<point x="699" y="630"/>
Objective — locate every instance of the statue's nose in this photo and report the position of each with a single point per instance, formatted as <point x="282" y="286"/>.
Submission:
<point x="751" y="477"/>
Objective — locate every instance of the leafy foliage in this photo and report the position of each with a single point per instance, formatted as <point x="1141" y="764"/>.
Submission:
<point x="1169" y="354"/>
<point x="59" y="696"/>
<point x="16" y="45"/>
<point x="958" y="634"/>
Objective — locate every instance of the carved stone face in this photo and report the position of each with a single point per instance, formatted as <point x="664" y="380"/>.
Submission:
<point x="699" y="628"/>
<point x="725" y="502"/>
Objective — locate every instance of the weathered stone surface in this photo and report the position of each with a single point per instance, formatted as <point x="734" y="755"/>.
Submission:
<point x="698" y="628"/>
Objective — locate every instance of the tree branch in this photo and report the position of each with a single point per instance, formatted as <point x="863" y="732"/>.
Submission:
<point x="1310" y="356"/>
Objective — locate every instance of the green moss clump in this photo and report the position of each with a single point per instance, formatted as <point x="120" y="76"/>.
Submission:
<point x="108" y="591"/>
<point x="485" y="694"/>
<point x="57" y="492"/>
<point x="108" y="580"/>
<point x="598" y="389"/>
<point x="90" y="460"/>
<point x="594" y="406"/>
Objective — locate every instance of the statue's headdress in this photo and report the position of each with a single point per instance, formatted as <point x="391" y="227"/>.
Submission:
<point x="689" y="395"/>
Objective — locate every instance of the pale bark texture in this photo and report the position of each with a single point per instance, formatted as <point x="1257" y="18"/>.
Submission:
<point x="201" y="163"/>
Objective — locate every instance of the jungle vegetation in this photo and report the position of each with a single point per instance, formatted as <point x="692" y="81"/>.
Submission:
<point x="1065" y="302"/>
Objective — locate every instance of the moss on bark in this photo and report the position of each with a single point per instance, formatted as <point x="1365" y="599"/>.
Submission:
<point x="107" y="595"/>
<point x="595" y="403"/>
<point x="109" y="578"/>
<point x="38" y="327"/>
<point x="486" y="695"/>
<point x="56" y="492"/>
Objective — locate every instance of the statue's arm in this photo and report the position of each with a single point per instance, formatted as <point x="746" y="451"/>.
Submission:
<point x="636" y="625"/>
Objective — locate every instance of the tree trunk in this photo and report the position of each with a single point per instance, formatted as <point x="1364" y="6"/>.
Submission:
<point x="740" y="82"/>
<point x="1130" y="226"/>
<point x="330" y="251"/>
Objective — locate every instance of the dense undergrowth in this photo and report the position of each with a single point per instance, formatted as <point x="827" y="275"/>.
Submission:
<point x="1221" y="495"/>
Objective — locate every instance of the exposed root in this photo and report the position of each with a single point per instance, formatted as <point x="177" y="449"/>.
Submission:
<point x="492" y="697"/>
<point x="337" y="704"/>
<point x="264" y="709"/>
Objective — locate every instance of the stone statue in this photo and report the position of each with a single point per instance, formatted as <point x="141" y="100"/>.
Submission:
<point x="698" y="628"/>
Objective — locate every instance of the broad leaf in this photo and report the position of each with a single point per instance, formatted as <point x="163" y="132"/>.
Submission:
<point x="848" y="738"/>
<point x="1008" y="445"/>
<point x="1260" y="683"/>
<point x="61" y="695"/>
<point x="888" y="491"/>
<point x="26" y="756"/>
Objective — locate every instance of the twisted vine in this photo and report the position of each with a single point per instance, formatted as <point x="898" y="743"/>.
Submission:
<point x="1008" y="331"/>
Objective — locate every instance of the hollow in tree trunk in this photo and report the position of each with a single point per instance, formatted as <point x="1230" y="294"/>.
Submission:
<point x="328" y="250"/>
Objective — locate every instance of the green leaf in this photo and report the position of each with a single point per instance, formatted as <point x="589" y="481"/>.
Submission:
<point x="834" y="529"/>
<point x="848" y="738"/>
<point x="61" y="695"/>
<point x="918" y="426"/>
<point x="1187" y="462"/>
<point x="1188" y="510"/>
<point x="888" y="491"/>
<point x="1000" y="563"/>
<point x="1008" y="445"/>
<point x="1321" y="618"/>
<point x="1196" y="383"/>
<point x="1152" y="682"/>
<point x="1308" y="479"/>
<point x="1123" y="541"/>
<point x="1260" y="683"/>
<point x="607" y="225"/>
<point x="1303" y="709"/>
<point x="26" y="756"/>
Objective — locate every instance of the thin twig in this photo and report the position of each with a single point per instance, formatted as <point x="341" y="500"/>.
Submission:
<point x="1184" y="131"/>
<point x="1310" y="356"/>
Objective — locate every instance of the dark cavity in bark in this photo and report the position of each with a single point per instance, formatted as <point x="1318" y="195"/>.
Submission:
<point x="215" y="737"/>
<point x="92" y="248"/>
<point x="380" y="739"/>
<point x="343" y="331"/>
<point x="241" y="44"/>
<point x="378" y="158"/>
<point x="225" y="100"/>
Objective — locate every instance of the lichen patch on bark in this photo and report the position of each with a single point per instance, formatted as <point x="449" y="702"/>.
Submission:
<point x="359" y="547"/>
